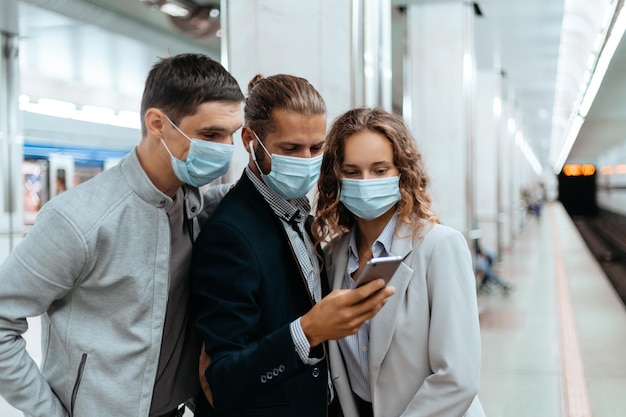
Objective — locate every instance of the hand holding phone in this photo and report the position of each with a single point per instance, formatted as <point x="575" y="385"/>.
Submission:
<point x="383" y="267"/>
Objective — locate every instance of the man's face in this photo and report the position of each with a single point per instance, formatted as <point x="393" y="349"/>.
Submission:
<point x="214" y="121"/>
<point x="295" y="134"/>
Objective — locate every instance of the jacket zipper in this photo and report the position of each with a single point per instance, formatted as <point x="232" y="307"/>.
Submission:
<point x="79" y="377"/>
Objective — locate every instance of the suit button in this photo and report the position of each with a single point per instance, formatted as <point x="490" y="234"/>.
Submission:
<point x="275" y="372"/>
<point x="269" y="375"/>
<point x="281" y="368"/>
<point x="315" y="372"/>
<point x="263" y="379"/>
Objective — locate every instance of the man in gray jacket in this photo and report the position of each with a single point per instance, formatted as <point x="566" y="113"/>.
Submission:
<point x="106" y="264"/>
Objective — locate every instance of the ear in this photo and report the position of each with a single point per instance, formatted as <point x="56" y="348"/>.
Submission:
<point x="247" y="136"/>
<point x="155" y="120"/>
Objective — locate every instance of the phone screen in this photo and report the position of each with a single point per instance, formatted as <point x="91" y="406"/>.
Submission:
<point x="383" y="267"/>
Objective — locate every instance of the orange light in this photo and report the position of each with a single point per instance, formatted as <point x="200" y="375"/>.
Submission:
<point x="571" y="170"/>
<point x="588" y="170"/>
<point x="620" y="169"/>
<point x="607" y="170"/>
<point x="576" y="170"/>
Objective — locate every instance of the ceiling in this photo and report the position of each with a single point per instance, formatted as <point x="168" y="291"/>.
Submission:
<point x="605" y="124"/>
<point x="96" y="52"/>
<point x="93" y="48"/>
<point x="521" y="39"/>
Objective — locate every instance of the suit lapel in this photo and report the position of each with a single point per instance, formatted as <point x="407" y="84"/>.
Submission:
<point x="383" y="324"/>
<point x="338" y="262"/>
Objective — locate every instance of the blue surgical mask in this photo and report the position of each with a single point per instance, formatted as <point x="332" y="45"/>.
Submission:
<point x="369" y="199"/>
<point x="206" y="161"/>
<point x="290" y="177"/>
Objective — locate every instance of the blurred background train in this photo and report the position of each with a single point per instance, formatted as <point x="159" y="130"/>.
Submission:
<point x="52" y="160"/>
<point x="595" y="198"/>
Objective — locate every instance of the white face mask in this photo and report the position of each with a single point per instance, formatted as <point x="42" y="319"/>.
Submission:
<point x="206" y="161"/>
<point x="370" y="199"/>
<point x="290" y="177"/>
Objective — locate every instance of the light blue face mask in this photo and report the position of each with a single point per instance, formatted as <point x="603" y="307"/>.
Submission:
<point x="369" y="199"/>
<point x="206" y="161"/>
<point x="290" y="177"/>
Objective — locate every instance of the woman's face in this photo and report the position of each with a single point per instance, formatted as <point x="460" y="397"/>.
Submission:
<point x="368" y="155"/>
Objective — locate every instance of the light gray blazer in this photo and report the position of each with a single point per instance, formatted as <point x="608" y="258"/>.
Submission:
<point x="424" y="352"/>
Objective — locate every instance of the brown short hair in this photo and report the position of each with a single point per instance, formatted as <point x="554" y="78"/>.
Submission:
<point x="279" y="92"/>
<point x="178" y="85"/>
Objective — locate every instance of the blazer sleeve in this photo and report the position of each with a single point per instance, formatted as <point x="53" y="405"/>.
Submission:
<point x="454" y="336"/>
<point x="226" y="279"/>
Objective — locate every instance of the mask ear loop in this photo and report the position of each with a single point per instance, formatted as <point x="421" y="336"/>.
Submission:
<point x="177" y="128"/>
<point x="254" y="154"/>
<point x="167" y="149"/>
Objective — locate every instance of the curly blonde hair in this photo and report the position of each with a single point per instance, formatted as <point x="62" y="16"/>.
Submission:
<point x="332" y="218"/>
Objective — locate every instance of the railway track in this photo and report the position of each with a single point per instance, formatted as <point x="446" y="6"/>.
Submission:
<point x="606" y="238"/>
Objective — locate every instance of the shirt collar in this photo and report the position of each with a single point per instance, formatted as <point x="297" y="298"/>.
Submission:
<point x="288" y="210"/>
<point x="382" y="244"/>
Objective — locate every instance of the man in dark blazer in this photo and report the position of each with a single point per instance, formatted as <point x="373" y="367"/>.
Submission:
<point x="262" y="311"/>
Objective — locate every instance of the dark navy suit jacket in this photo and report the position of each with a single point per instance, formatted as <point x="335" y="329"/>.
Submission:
<point x="249" y="288"/>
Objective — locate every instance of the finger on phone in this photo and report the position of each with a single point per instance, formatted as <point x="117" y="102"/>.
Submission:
<point x="371" y="287"/>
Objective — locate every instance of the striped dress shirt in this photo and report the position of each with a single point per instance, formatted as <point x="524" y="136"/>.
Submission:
<point x="355" y="348"/>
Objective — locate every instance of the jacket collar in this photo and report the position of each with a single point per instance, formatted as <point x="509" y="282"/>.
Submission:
<point x="383" y="324"/>
<point x="402" y="245"/>
<point x="142" y="186"/>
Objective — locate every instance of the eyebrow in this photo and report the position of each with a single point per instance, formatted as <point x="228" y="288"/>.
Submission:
<point x="374" y="163"/>
<point x="218" y="129"/>
<point x="288" y="143"/>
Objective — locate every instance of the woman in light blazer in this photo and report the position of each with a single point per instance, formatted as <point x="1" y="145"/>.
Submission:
<point x="420" y="355"/>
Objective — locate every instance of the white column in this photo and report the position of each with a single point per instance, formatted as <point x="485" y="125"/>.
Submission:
<point x="518" y="163"/>
<point x="376" y="31"/>
<point x="328" y="42"/>
<point x="488" y="111"/>
<point x="11" y="205"/>
<point x="440" y="77"/>
<point x="507" y="143"/>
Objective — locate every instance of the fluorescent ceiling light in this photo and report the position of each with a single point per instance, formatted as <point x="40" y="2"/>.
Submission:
<point x="50" y="107"/>
<point x="497" y="106"/>
<point x="572" y="134"/>
<point x="511" y="125"/>
<point x="129" y="119"/>
<point x="92" y="114"/>
<point x="528" y="153"/>
<point x="602" y="65"/>
<point x="611" y="37"/>
<point x="175" y="10"/>
<point x="531" y="158"/>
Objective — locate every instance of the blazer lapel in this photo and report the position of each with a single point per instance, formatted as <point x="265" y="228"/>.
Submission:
<point x="383" y="324"/>
<point x="338" y="262"/>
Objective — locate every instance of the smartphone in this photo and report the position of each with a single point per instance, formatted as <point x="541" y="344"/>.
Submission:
<point x="383" y="267"/>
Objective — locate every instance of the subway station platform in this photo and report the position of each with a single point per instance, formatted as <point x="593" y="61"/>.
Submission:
<point x="555" y="346"/>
